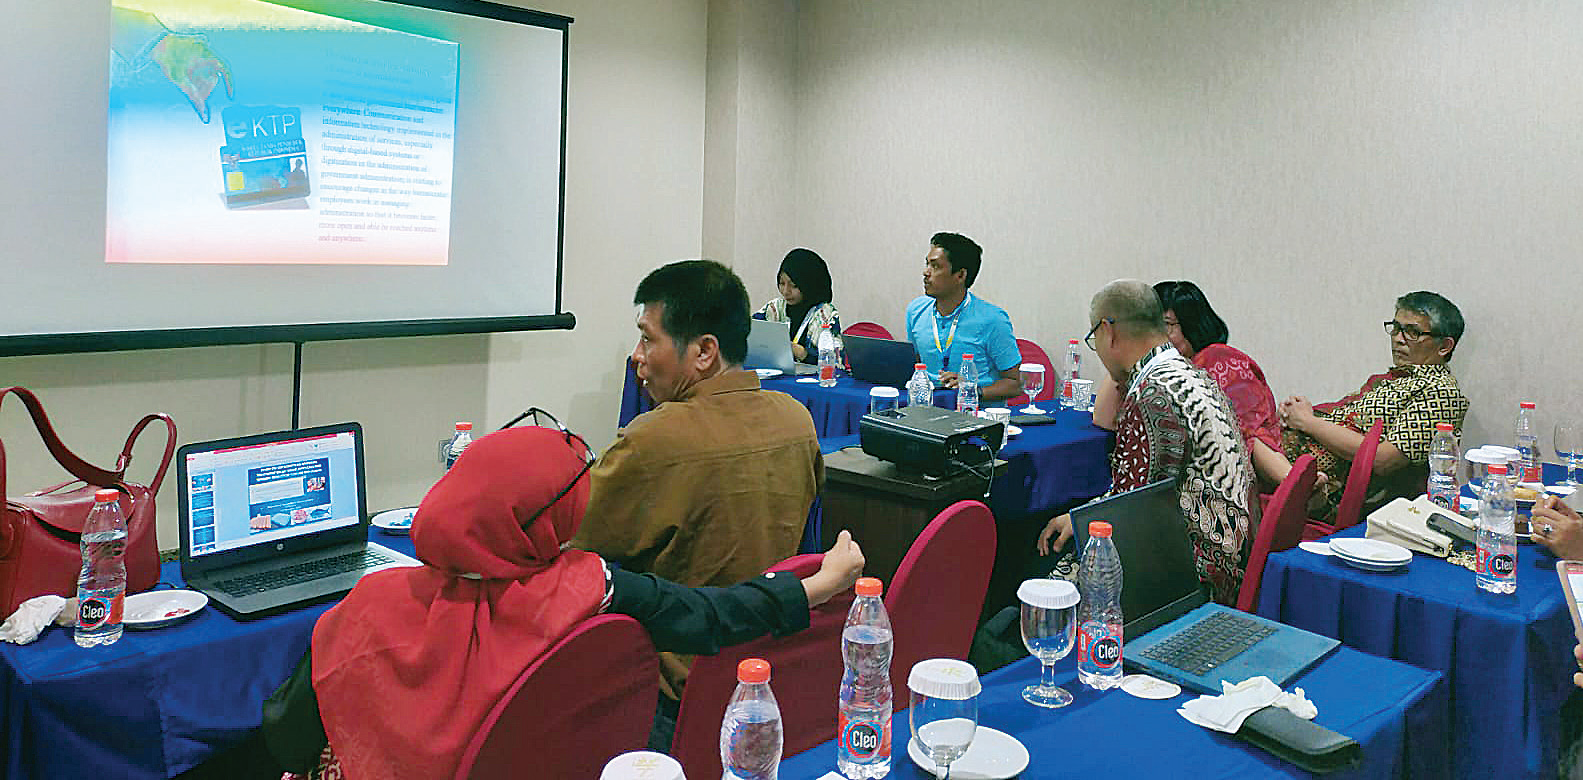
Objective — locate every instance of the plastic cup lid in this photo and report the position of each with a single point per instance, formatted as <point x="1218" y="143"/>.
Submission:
<point x="884" y="392"/>
<point x="944" y="678"/>
<point x="1509" y="452"/>
<point x="1481" y="455"/>
<point x="753" y="670"/>
<point x="869" y="586"/>
<point x="1046" y="593"/>
<point x="1034" y="367"/>
<point x="642" y="765"/>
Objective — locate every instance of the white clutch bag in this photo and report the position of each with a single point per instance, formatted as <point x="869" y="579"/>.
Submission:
<point x="1405" y="522"/>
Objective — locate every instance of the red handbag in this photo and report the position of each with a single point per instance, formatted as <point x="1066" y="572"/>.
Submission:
<point x="39" y="544"/>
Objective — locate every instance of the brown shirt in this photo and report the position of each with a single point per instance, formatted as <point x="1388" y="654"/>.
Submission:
<point x="709" y="489"/>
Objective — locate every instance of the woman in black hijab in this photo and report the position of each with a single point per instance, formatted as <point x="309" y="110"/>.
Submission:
<point x="804" y="303"/>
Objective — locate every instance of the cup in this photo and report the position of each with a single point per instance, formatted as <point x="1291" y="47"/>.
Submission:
<point x="1083" y="395"/>
<point x="642" y="765"/>
<point x="882" y="399"/>
<point x="998" y="414"/>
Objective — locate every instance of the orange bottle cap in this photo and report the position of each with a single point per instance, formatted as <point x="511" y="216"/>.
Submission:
<point x="104" y="495"/>
<point x="753" y="670"/>
<point x="1099" y="528"/>
<point x="869" y="586"/>
<point x="464" y="426"/>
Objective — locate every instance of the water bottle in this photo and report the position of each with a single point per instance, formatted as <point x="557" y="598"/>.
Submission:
<point x="1497" y="535"/>
<point x="863" y="709"/>
<point x="1070" y="369"/>
<point x="826" y="358"/>
<point x="1443" y="488"/>
<point x="1099" y="611"/>
<point x="967" y="385"/>
<point x="458" y="442"/>
<point x="920" y="390"/>
<point x="1527" y="444"/>
<point x="101" y="587"/>
<point x="750" y="734"/>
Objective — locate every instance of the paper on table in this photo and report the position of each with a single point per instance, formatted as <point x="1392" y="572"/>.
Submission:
<point x="1227" y="711"/>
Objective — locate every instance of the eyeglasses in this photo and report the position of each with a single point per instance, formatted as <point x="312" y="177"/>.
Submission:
<point x="540" y="418"/>
<point x="1089" y="339"/>
<point x="1409" y="332"/>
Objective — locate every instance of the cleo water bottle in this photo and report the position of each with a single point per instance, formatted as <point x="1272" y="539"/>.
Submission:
<point x="1497" y="537"/>
<point x="750" y="733"/>
<point x="827" y="358"/>
<point x="459" y="441"/>
<point x="1527" y="443"/>
<point x="1071" y="368"/>
<point x="967" y="385"/>
<point x="1099" y="611"/>
<point x="920" y="389"/>
<point x="863" y="706"/>
<point x="1443" y="488"/>
<point x="101" y="586"/>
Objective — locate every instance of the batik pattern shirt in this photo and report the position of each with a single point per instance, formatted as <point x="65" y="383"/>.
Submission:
<point x="808" y="331"/>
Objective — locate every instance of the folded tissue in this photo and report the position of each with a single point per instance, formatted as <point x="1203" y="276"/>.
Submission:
<point x="30" y="619"/>
<point x="1227" y="711"/>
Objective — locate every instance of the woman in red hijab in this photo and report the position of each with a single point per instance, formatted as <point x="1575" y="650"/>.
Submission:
<point x="430" y="650"/>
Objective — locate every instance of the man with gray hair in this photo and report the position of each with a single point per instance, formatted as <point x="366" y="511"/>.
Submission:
<point x="1416" y="393"/>
<point x="1173" y="421"/>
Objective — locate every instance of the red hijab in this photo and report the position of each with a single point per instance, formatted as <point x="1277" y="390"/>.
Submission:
<point x="410" y="663"/>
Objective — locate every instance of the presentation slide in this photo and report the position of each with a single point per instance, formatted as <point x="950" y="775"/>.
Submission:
<point x="265" y="134"/>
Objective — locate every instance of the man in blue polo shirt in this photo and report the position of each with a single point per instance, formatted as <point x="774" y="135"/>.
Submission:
<point x="947" y="322"/>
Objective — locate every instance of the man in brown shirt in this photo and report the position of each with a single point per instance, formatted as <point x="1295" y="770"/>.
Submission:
<point x="713" y="485"/>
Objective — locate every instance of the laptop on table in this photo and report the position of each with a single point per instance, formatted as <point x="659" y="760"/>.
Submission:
<point x="1169" y="627"/>
<point x="278" y="520"/>
<point x="769" y="346"/>
<point x="880" y="361"/>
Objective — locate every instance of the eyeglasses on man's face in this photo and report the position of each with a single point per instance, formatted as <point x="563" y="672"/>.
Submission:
<point x="1409" y="332"/>
<point x="1089" y="339"/>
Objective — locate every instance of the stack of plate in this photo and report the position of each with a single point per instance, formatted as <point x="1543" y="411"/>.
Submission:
<point x="1371" y="554"/>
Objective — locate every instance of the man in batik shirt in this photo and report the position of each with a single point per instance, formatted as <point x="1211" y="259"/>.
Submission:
<point x="1174" y="421"/>
<point x="1415" y="394"/>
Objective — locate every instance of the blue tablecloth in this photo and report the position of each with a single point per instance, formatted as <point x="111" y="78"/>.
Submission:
<point x="1397" y="715"/>
<point x="1507" y="659"/>
<point x="152" y="705"/>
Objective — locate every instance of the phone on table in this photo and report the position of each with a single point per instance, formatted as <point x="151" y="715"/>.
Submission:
<point x="1571" y="574"/>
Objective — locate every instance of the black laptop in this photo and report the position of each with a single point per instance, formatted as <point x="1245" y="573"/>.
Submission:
<point x="880" y="361"/>
<point x="1169" y="627"/>
<point x="278" y="520"/>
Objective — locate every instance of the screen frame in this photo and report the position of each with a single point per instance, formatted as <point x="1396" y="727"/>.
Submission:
<point x="298" y="333"/>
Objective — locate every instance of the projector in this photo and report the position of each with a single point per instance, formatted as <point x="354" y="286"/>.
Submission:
<point x="938" y="442"/>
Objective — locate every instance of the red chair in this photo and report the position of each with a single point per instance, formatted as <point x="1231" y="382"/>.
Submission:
<point x="603" y="678"/>
<point x="1033" y="353"/>
<point x="1281" y="528"/>
<point x="938" y="592"/>
<point x="871" y="330"/>
<point x="1350" y="510"/>
<point x="805" y="673"/>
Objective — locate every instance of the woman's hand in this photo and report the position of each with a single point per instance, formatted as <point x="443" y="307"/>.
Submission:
<point x="842" y="565"/>
<point x="1059" y="527"/>
<point x="1558" y="527"/>
<point x="799" y="351"/>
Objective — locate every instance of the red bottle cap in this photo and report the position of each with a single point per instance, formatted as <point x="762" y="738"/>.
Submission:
<point x="1526" y="404"/>
<point x="1443" y="427"/>
<point x="106" y="495"/>
<point x="869" y="586"/>
<point x="1071" y="341"/>
<point x="464" y="426"/>
<point x="1099" y="528"/>
<point x="918" y="366"/>
<point x="967" y="356"/>
<point x="753" y="670"/>
<point x="1496" y="468"/>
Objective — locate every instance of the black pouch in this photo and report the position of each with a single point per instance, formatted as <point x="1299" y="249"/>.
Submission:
<point x="1302" y="742"/>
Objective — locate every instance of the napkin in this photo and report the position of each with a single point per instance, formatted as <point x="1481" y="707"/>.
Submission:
<point x="30" y="619"/>
<point x="1227" y="711"/>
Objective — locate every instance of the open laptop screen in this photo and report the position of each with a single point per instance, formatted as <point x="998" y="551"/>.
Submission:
<point x="268" y="492"/>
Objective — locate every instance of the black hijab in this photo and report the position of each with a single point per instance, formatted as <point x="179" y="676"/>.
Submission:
<point x="807" y="270"/>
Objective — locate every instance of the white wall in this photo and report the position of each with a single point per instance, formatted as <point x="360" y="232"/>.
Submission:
<point x="1304" y="162"/>
<point x="634" y="188"/>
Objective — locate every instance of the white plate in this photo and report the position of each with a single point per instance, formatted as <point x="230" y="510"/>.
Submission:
<point x="1369" y="565"/>
<point x="1373" y="551"/>
<point x="1317" y="548"/>
<point x="160" y="608"/>
<point x="1012" y="430"/>
<point x="808" y="379"/>
<point x="1560" y="490"/>
<point x="394" y="521"/>
<point x="768" y="373"/>
<point x="994" y="755"/>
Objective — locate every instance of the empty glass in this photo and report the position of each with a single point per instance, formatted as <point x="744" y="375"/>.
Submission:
<point x="883" y="399"/>
<point x="1032" y="385"/>
<point x="1568" y="440"/>
<point x="1083" y="395"/>
<point x="1048" y="629"/>
<point x="944" y="711"/>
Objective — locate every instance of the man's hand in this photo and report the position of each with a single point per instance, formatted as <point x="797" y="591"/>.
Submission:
<point x="194" y="68"/>
<point x="1059" y="527"/>
<point x="1296" y="413"/>
<point x="1577" y="677"/>
<point x="949" y="379"/>
<point x="1558" y="527"/>
<point x="842" y="565"/>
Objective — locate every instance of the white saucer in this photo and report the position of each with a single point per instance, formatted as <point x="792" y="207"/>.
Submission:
<point x="1012" y="430"/>
<point x="1371" y="554"/>
<point x="159" y="608"/>
<point x="768" y="373"/>
<point x="1317" y="548"/>
<point x="994" y="755"/>
<point x="1563" y="491"/>
<point x="808" y="379"/>
<point x="394" y="521"/>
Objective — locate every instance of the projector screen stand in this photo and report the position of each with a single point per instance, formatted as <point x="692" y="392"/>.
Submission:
<point x="296" y="384"/>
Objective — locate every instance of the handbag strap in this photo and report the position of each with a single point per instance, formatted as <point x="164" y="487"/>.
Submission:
<point x="76" y="466"/>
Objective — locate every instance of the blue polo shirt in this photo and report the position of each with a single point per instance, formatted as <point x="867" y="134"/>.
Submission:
<point x="982" y="328"/>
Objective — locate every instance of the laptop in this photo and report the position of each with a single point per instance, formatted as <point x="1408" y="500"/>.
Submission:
<point x="880" y="361"/>
<point x="278" y="520"/>
<point x="1169" y="627"/>
<point x="769" y="346"/>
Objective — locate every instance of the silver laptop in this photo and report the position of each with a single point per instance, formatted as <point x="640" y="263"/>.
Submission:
<point x="769" y="346"/>
<point x="278" y="520"/>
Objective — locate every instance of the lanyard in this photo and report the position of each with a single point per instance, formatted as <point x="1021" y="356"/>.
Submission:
<point x="956" y="317"/>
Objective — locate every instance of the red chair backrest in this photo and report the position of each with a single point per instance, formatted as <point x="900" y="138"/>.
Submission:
<point x="1350" y="510"/>
<point x="871" y="330"/>
<point x="938" y="592"/>
<point x="805" y="675"/>
<point x="603" y="679"/>
<point x="1281" y="527"/>
<point x="1033" y="353"/>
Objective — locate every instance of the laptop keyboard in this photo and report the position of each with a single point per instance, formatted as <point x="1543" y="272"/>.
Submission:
<point x="1209" y="643"/>
<point x="302" y="572"/>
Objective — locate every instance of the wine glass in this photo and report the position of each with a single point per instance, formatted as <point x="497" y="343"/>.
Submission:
<point x="1048" y="630"/>
<point x="1032" y="385"/>
<point x="944" y="711"/>
<point x="1568" y="439"/>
